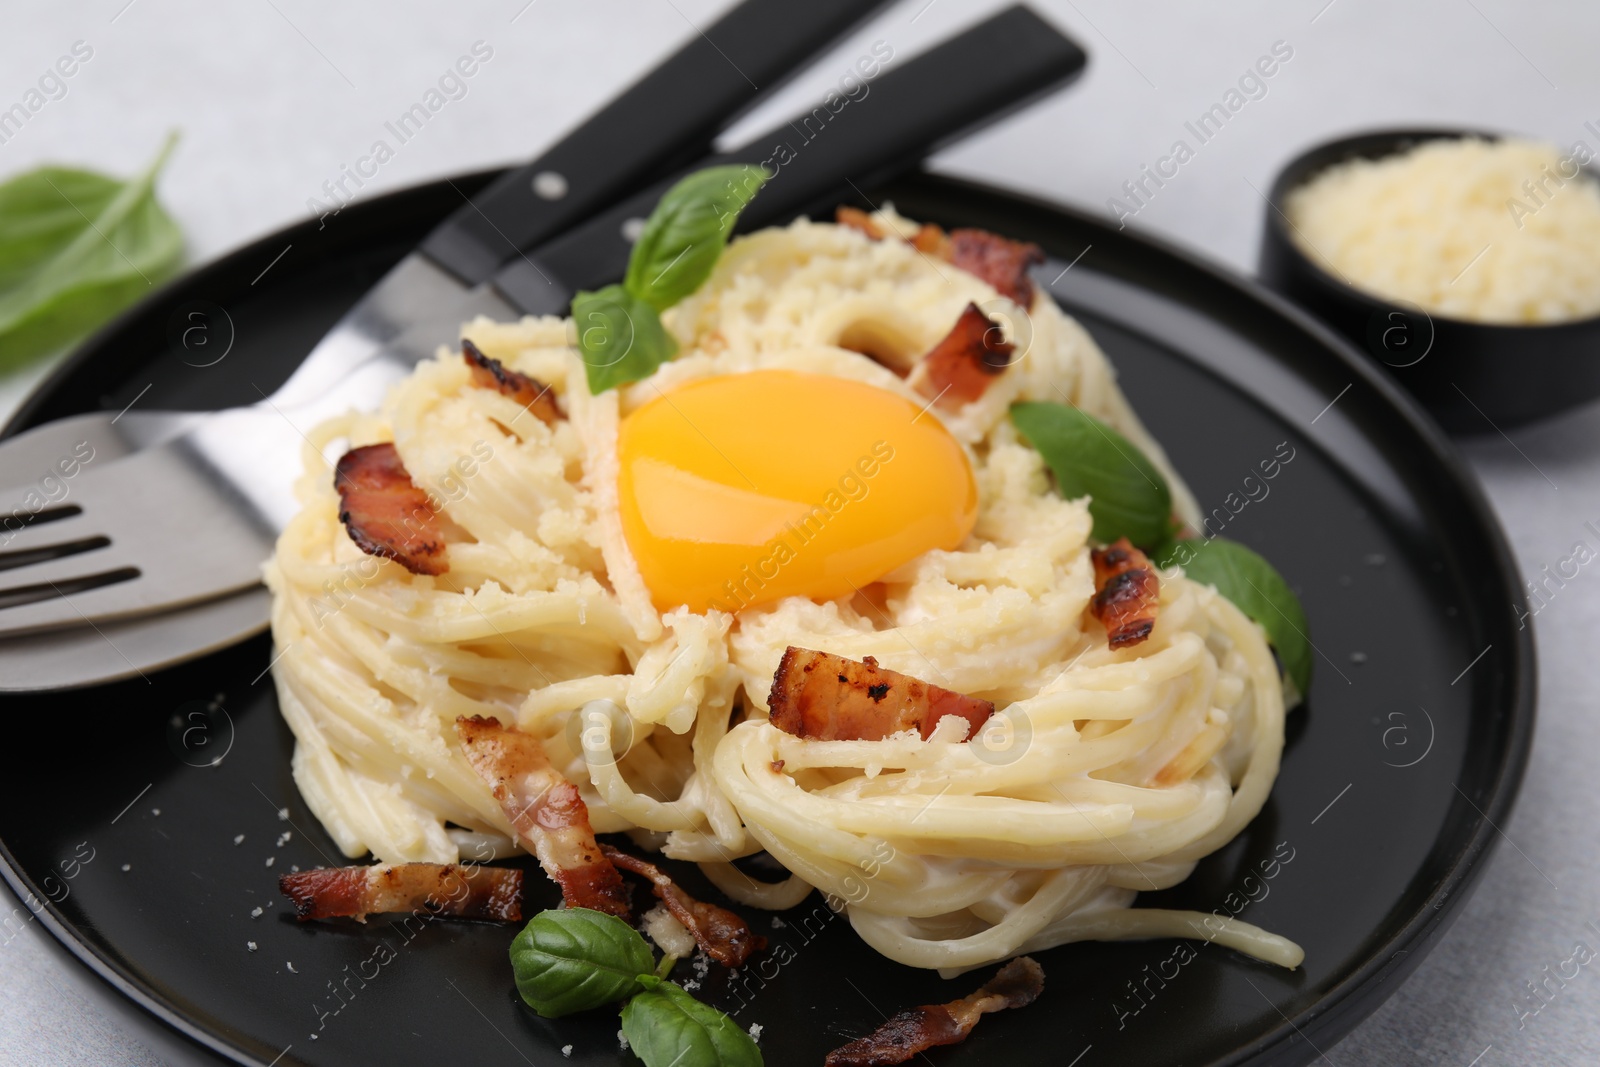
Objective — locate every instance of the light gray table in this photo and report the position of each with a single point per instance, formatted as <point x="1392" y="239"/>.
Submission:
<point x="274" y="96"/>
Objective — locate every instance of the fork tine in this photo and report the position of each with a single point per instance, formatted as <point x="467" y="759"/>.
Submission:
<point x="59" y="525"/>
<point x="61" y="573"/>
<point x="153" y="531"/>
<point x="102" y="585"/>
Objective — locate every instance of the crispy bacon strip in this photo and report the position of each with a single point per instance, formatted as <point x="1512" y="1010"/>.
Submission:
<point x="959" y="368"/>
<point x="1000" y="261"/>
<point x="386" y="514"/>
<point x="1017" y="985"/>
<point x="550" y="817"/>
<point x="824" y="697"/>
<point x="724" y="936"/>
<point x="461" y="889"/>
<point x="1127" y="592"/>
<point x="530" y="392"/>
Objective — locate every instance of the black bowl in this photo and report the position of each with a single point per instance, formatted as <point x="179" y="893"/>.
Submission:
<point x="1474" y="377"/>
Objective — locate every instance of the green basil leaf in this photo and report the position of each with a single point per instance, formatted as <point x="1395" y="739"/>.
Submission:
<point x="76" y="248"/>
<point x="666" y="1026"/>
<point x="1128" y="497"/>
<point x="620" y="338"/>
<point x="576" y="959"/>
<point x="1258" y="590"/>
<point x="686" y="233"/>
<point x="38" y="217"/>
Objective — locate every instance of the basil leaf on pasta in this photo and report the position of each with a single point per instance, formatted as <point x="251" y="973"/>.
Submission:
<point x="576" y="959"/>
<point x="1258" y="590"/>
<point x="619" y="328"/>
<point x="620" y="337"/>
<point x="666" y="1026"/>
<point x="77" y="247"/>
<point x="1128" y="497"/>
<point x="686" y="233"/>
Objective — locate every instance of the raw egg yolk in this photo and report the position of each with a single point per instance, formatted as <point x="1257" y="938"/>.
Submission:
<point x="744" y="488"/>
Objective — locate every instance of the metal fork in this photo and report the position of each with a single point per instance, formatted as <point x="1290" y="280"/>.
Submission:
<point x="414" y="289"/>
<point x="176" y="523"/>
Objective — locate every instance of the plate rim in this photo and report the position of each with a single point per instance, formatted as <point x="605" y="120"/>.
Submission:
<point x="1333" y="1014"/>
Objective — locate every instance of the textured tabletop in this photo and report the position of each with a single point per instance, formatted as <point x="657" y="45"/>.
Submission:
<point x="275" y="97"/>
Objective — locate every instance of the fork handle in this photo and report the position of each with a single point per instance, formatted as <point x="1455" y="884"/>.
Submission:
<point x="666" y="120"/>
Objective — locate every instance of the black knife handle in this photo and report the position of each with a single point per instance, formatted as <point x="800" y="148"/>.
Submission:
<point x="666" y="120"/>
<point x="946" y="92"/>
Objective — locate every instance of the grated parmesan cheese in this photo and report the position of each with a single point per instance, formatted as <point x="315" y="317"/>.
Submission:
<point x="668" y="933"/>
<point x="1504" y="231"/>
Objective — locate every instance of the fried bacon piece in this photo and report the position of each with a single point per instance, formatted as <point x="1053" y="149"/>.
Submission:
<point x="1000" y="261"/>
<point x="549" y="816"/>
<point x="385" y="512"/>
<point x="823" y="697"/>
<point x="928" y="239"/>
<point x="857" y="219"/>
<point x="1017" y="985"/>
<point x="531" y="393"/>
<point x="724" y="936"/>
<point x="460" y="889"/>
<point x="959" y="368"/>
<point x="1127" y="592"/>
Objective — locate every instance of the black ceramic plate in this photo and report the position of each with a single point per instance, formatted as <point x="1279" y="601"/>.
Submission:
<point x="1409" y="751"/>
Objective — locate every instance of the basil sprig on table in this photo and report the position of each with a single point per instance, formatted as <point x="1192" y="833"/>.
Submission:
<point x="1129" y="497"/>
<point x="76" y="247"/>
<point x="619" y="327"/>
<point x="575" y="959"/>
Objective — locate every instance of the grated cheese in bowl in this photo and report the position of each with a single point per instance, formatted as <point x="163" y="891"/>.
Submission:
<point x="1503" y="231"/>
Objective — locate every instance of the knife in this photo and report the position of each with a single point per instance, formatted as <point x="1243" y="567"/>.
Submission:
<point x="667" y="119"/>
<point x="973" y="78"/>
<point x="996" y="67"/>
<point x="664" y="121"/>
<point x="932" y="99"/>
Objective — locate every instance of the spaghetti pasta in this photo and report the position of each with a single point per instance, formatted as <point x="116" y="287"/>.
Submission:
<point x="1103" y="772"/>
